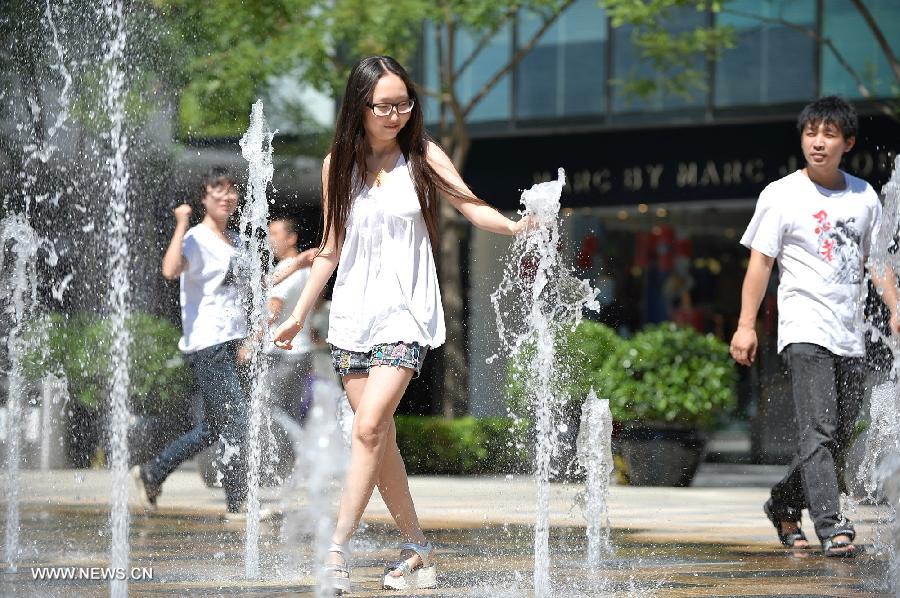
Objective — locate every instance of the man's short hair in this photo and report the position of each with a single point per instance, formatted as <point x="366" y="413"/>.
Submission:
<point x="291" y="224"/>
<point x="833" y="110"/>
<point x="217" y="176"/>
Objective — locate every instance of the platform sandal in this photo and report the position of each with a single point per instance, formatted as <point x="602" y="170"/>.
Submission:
<point x="338" y="576"/>
<point x="786" y="538"/>
<point x="421" y="576"/>
<point x="840" y="548"/>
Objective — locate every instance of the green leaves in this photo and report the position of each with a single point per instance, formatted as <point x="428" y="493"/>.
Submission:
<point x="675" y="55"/>
<point x="580" y="352"/>
<point x="462" y="446"/>
<point x="668" y="374"/>
<point x="236" y="50"/>
<point x="78" y="346"/>
<point x="665" y="373"/>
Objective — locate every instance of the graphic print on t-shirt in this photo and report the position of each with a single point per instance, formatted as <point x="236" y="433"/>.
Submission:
<point x="839" y="246"/>
<point x="238" y="273"/>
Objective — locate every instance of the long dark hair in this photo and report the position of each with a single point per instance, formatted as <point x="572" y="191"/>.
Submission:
<point x="349" y="148"/>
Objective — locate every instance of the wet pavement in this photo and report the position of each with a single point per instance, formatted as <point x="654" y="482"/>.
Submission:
<point x="667" y="542"/>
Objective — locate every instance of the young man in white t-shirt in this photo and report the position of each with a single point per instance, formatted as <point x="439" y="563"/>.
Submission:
<point x="818" y="223"/>
<point x="208" y="259"/>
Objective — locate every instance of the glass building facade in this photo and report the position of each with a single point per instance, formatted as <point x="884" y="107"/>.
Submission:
<point x="660" y="189"/>
<point x="574" y="72"/>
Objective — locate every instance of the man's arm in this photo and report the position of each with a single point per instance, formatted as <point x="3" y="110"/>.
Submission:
<point x="744" y="342"/>
<point x="885" y="280"/>
<point x="291" y="265"/>
<point x="173" y="261"/>
<point x="274" y="307"/>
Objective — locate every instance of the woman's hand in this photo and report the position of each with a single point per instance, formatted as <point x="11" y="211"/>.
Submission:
<point x="526" y="225"/>
<point x="305" y="258"/>
<point x="285" y="333"/>
<point x="895" y="322"/>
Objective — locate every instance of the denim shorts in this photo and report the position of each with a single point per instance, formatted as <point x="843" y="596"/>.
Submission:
<point x="402" y="355"/>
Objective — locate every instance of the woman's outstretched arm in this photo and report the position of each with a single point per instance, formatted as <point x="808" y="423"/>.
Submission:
<point x="323" y="267"/>
<point x="475" y="210"/>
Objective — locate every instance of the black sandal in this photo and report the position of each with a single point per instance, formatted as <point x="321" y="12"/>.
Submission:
<point x="786" y="538"/>
<point x="842" y="549"/>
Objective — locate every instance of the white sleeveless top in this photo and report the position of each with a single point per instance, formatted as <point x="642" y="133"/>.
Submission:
<point x="386" y="289"/>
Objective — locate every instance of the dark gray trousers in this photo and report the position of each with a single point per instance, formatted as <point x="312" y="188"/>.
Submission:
<point x="290" y="383"/>
<point x="225" y="418"/>
<point x="828" y="394"/>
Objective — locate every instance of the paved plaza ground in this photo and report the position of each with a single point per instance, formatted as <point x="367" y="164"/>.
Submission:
<point x="708" y="540"/>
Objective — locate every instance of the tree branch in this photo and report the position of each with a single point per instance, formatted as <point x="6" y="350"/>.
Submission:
<point x="458" y="136"/>
<point x="429" y="92"/>
<point x="442" y="75"/>
<point x="517" y="57"/>
<point x="857" y="78"/>
<point x="879" y="37"/>
<point x="484" y="41"/>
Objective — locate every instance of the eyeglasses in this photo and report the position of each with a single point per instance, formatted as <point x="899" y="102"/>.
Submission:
<point x="385" y="109"/>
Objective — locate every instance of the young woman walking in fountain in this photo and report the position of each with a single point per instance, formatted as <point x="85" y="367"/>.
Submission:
<point x="381" y="185"/>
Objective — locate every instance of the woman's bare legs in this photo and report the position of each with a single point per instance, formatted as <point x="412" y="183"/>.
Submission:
<point x="374" y="457"/>
<point x="393" y="485"/>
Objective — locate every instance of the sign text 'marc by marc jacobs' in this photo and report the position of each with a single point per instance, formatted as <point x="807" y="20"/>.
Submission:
<point x="664" y="165"/>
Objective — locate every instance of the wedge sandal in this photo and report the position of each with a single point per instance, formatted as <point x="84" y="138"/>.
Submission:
<point x="419" y="577"/>
<point x="338" y="576"/>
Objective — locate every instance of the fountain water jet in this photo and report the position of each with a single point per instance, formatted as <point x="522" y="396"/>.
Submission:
<point x="594" y="451"/>
<point x="256" y="147"/>
<point x="544" y="298"/>
<point x="21" y="284"/>
<point x="879" y="472"/>
<point x="321" y="464"/>
<point x="117" y="231"/>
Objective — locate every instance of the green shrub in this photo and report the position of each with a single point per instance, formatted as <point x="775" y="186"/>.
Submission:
<point x="78" y="346"/>
<point x="466" y="445"/>
<point x="579" y="353"/>
<point x="667" y="373"/>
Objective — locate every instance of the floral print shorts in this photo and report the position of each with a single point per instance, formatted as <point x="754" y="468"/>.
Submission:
<point x="402" y="355"/>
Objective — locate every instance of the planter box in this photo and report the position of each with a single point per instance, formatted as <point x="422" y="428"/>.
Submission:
<point x="659" y="456"/>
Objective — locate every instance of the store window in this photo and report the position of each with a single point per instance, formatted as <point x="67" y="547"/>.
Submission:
<point x="772" y="61"/>
<point x="565" y="73"/>
<point x="656" y="263"/>
<point x="854" y="40"/>
<point x="629" y="64"/>
<point x="494" y="56"/>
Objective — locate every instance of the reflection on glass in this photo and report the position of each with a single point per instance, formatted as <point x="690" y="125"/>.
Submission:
<point x="494" y="56"/>
<point x="843" y="24"/>
<point x="629" y="64"/>
<point x="772" y="62"/>
<point x="565" y="73"/>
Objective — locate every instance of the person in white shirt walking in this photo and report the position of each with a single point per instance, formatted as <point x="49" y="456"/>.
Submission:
<point x="381" y="184"/>
<point x="208" y="260"/>
<point x="818" y="224"/>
